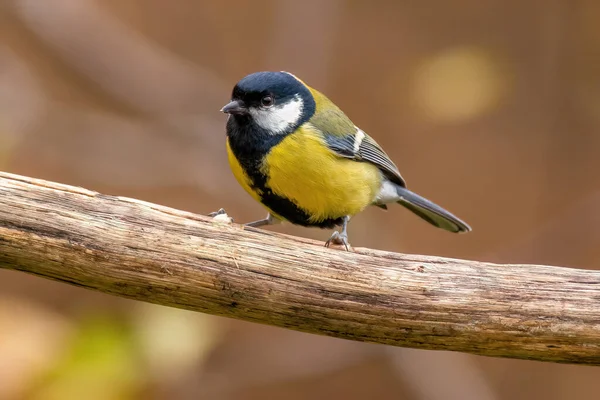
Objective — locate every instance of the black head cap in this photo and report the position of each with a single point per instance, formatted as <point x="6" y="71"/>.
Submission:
<point x="282" y="86"/>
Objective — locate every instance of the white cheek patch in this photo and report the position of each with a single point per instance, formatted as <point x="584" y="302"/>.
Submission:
<point x="278" y="118"/>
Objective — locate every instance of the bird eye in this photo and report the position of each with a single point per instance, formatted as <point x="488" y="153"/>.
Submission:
<point x="267" y="101"/>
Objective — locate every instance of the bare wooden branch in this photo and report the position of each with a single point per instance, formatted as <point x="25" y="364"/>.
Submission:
<point x="147" y="252"/>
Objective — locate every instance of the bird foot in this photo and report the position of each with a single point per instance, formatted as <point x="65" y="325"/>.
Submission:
<point x="221" y="216"/>
<point x="218" y="212"/>
<point x="339" y="239"/>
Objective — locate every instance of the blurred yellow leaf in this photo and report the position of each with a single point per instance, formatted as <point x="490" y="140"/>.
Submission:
<point x="458" y="84"/>
<point x="173" y="340"/>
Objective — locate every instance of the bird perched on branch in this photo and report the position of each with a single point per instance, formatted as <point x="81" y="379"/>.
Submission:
<point x="298" y="154"/>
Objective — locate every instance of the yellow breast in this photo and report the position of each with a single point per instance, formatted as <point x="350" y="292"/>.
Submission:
<point x="301" y="168"/>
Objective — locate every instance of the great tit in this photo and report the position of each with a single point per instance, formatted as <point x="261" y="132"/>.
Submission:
<point x="297" y="153"/>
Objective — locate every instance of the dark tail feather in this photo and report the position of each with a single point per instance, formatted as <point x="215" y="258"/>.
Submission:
<point x="431" y="212"/>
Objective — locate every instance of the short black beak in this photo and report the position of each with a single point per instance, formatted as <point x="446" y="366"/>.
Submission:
<point x="235" y="107"/>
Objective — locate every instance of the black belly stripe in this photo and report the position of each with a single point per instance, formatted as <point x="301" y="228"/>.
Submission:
<point x="291" y="212"/>
<point x="282" y="206"/>
<point x="250" y="150"/>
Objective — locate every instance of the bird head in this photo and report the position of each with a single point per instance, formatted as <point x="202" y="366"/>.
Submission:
<point x="276" y="102"/>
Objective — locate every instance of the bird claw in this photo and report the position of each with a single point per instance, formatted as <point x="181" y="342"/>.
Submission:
<point x="339" y="239"/>
<point x="221" y="216"/>
<point x="218" y="212"/>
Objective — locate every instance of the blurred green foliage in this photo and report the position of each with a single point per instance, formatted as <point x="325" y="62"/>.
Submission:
<point x="100" y="362"/>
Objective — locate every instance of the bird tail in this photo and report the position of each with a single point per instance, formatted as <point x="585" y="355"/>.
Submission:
<point x="431" y="212"/>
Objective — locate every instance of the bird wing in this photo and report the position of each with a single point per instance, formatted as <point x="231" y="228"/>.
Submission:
<point x="346" y="140"/>
<point x="359" y="146"/>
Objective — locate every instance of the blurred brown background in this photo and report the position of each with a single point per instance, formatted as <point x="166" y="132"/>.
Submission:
<point x="491" y="108"/>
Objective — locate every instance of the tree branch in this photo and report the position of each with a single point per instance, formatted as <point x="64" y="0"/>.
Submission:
<point x="147" y="252"/>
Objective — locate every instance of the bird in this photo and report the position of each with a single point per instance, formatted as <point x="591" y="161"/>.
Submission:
<point x="299" y="155"/>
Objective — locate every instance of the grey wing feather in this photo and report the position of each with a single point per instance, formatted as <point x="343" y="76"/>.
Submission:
<point x="367" y="150"/>
<point x="370" y="151"/>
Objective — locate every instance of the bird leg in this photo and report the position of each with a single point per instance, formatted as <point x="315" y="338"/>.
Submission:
<point x="340" y="238"/>
<point x="269" y="220"/>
